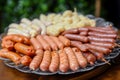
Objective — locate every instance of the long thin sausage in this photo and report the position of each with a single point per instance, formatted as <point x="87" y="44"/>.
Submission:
<point x="80" y="57"/>
<point x="64" y="63"/>
<point x="98" y="48"/>
<point x="54" y="65"/>
<point x="98" y="34"/>
<point x="36" y="60"/>
<point x="44" y="43"/>
<point x="103" y="44"/>
<point x="58" y="42"/>
<point x="102" y="30"/>
<point x="85" y="33"/>
<point x="50" y="42"/>
<point x="10" y="55"/>
<point x="64" y="40"/>
<point x="25" y="49"/>
<point x="71" y="31"/>
<point x="98" y="39"/>
<point x="76" y="37"/>
<point x="98" y="55"/>
<point x="44" y="66"/>
<point x="79" y="45"/>
<point x="82" y="29"/>
<point x="72" y="59"/>
<point x="36" y="44"/>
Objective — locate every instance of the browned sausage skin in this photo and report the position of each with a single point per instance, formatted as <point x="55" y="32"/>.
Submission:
<point x="98" y="34"/>
<point x="8" y="44"/>
<point x="76" y="37"/>
<point x="50" y="42"/>
<point x="36" y="44"/>
<point x="72" y="59"/>
<point x="90" y="57"/>
<point x="98" y="39"/>
<point x="98" y="48"/>
<point x="43" y="42"/>
<point x="64" y="40"/>
<point x="80" y="57"/>
<point x="102" y="30"/>
<point x="58" y="42"/>
<point x="44" y="66"/>
<point x="103" y="44"/>
<point x="25" y="49"/>
<point x="15" y="57"/>
<point x="79" y="45"/>
<point x="35" y="63"/>
<point x="71" y="31"/>
<point x="54" y="65"/>
<point x="64" y="63"/>
<point x="26" y="60"/>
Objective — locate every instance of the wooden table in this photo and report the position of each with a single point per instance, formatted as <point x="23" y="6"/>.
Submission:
<point x="106" y="72"/>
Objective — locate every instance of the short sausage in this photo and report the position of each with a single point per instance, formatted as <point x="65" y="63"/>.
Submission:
<point x="15" y="57"/>
<point x="25" y="49"/>
<point x="26" y="60"/>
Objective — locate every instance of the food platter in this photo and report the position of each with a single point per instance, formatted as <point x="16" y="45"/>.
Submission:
<point x="25" y="69"/>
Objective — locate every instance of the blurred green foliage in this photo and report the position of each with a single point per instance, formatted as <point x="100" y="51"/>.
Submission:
<point x="13" y="10"/>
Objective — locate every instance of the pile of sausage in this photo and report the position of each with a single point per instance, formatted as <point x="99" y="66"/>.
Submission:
<point x="96" y="41"/>
<point x="72" y="50"/>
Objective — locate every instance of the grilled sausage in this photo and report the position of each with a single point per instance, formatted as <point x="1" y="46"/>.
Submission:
<point x="102" y="30"/>
<point x="103" y="44"/>
<point x="79" y="45"/>
<point x="36" y="60"/>
<point x="102" y="35"/>
<point x="72" y="59"/>
<point x="36" y="44"/>
<point x="22" y="48"/>
<point x="54" y="65"/>
<point x="83" y="29"/>
<point x="85" y="33"/>
<point x="81" y="59"/>
<point x="98" y="48"/>
<point x="44" y="66"/>
<point x="90" y="57"/>
<point x="17" y="38"/>
<point x="64" y="40"/>
<point x="44" y="43"/>
<point x="8" y="44"/>
<point x="71" y="31"/>
<point x="50" y="42"/>
<point x="26" y="60"/>
<point x="98" y="39"/>
<point x="58" y="42"/>
<point x="64" y="63"/>
<point x="5" y="53"/>
<point x="76" y="37"/>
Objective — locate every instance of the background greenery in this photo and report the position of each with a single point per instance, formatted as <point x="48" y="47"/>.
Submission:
<point x="13" y="10"/>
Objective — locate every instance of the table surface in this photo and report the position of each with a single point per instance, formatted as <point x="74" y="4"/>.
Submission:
<point x="108" y="72"/>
